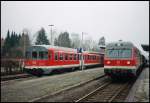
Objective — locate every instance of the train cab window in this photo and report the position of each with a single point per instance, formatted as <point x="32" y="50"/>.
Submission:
<point x="61" y="56"/>
<point x="41" y="55"/>
<point x="125" y="53"/>
<point x="34" y="55"/>
<point x="56" y="56"/>
<point x="28" y="54"/>
<point x="45" y="55"/>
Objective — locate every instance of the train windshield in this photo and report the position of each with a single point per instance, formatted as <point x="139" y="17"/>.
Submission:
<point x="37" y="55"/>
<point x="118" y="53"/>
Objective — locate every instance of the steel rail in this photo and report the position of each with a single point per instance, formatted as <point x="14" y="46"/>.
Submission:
<point x="94" y="91"/>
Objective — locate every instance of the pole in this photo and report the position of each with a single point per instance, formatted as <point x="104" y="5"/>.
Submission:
<point x="82" y="53"/>
<point x="82" y="59"/>
<point x="51" y="35"/>
<point x="24" y="50"/>
<point x="24" y="44"/>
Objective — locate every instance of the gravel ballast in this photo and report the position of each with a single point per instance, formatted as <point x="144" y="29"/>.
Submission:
<point x="24" y="91"/>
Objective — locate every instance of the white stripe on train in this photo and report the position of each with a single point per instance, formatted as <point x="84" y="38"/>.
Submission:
<point x="59" y="66"/>
<point x="124" y="67"/>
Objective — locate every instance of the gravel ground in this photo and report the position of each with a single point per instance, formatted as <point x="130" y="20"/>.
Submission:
<point x="24" y="91"/>
<point x="140" y="90"/>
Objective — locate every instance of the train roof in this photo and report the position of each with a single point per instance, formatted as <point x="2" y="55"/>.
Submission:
<point x="56" y="47"/>
<point x="44" y="47"/>
<point x="119" y="44"/>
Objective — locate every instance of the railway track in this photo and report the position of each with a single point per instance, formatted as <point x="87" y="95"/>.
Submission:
<point x="56" y="94"/>
<point x="17" y="76"/>
<point x="108" y="92"/>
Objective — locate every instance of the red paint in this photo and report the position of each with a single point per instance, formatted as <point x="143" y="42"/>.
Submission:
<point x="52" y="62"/>
<point x="118" y="62"/>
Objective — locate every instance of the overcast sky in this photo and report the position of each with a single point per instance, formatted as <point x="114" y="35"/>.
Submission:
<point x="126" y="20"/>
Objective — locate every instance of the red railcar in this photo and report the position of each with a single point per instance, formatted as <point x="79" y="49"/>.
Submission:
<point x="122" y="59"/>
<point x="44" y="59"/>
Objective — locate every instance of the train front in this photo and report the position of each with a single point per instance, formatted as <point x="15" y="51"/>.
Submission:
<point x="36" y="60"/>
<point x="119" y="60"/>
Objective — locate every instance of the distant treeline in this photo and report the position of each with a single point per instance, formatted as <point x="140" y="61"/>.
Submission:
<point x="15" y="44"/>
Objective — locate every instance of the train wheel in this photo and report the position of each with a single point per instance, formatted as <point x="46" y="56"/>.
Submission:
<point x="39" y="72"/>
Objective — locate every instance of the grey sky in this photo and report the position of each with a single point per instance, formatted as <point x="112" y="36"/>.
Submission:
<point x="126" y="20"/>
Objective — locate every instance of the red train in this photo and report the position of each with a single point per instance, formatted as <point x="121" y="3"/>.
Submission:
<point x="44" y="59"/>
<point x="122" y="59"/>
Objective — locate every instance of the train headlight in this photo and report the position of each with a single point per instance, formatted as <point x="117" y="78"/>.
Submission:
<point x="128" y="62"/>
<point x="108" y="62"/>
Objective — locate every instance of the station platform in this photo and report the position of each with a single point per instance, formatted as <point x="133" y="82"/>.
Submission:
<point x="140" y="90"/>
<point x="25" y="91"/>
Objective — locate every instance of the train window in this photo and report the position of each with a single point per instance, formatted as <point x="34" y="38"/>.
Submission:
<point x="34" y="55"/>
<point x="61" y="56"/>
<point x="78" y="57"/>
<point x="88" y="57"/>
<point x="66" y="56"/>
<point x="125" y="53"/>
<point x="56" y="56"/>
<point x="28" y="55"/>
<point x="45" y="55"/>
<point x="112" y="53"/>
<point x="120" y="53"/>
<point x="74" y="56"/>
<point x="70" y="57"/>
<point x="41" y="55"/>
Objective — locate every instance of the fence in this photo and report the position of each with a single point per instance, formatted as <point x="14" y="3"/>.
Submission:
<point x="11" y="66"/>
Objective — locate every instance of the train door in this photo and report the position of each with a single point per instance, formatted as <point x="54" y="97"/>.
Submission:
<point x="50" y="57"/>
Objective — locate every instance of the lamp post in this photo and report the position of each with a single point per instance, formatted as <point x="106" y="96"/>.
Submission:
<point x="24" y="46"/>
<point x="51" y="34"/>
